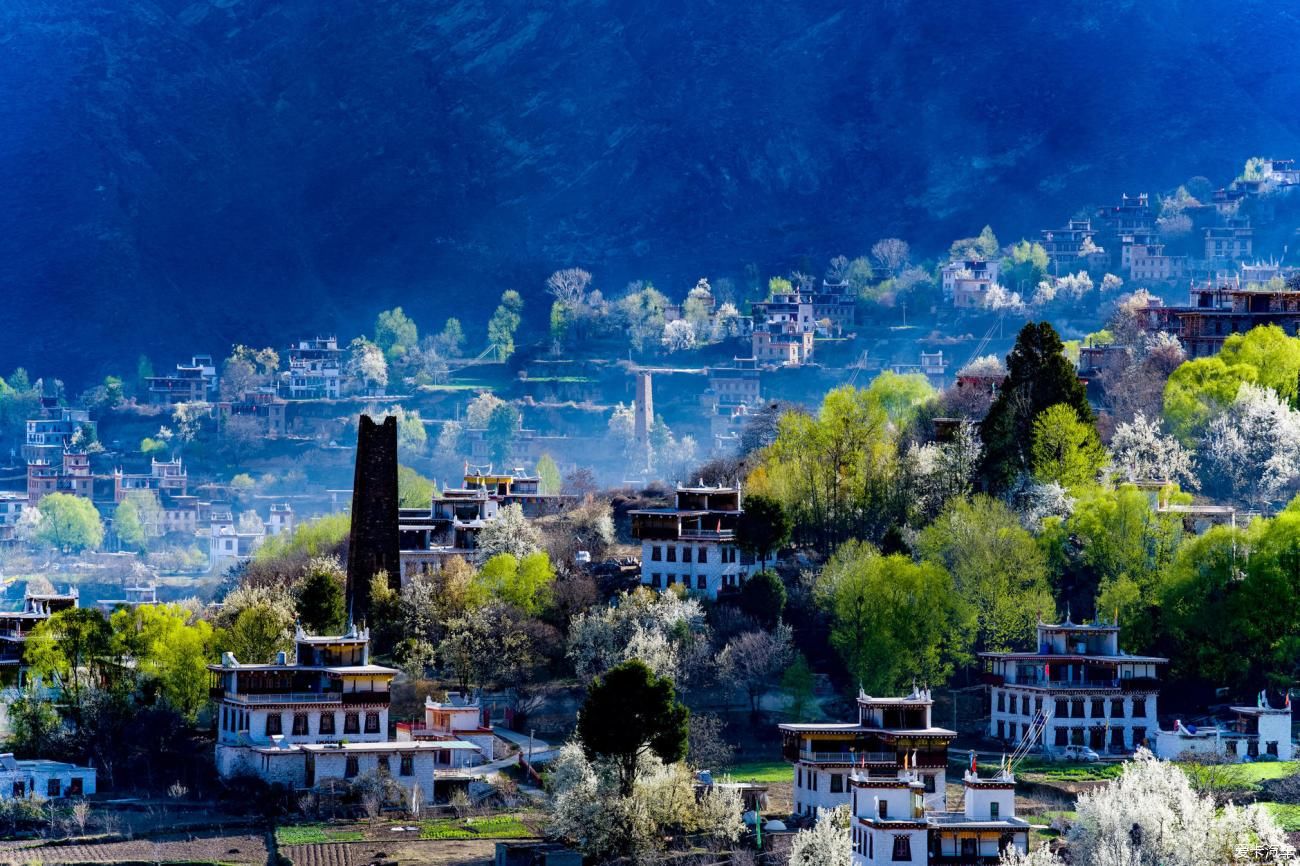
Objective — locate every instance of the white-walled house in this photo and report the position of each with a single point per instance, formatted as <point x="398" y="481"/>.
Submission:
<point x="1252" y="732"/>
<point x="323" y="716"/>
<point x="891" y="823"/>
<point x="693" y="544"/>
<point x="893" y="737"/>
<point x="1076" y="688"/>
<point x="40" y="778"/>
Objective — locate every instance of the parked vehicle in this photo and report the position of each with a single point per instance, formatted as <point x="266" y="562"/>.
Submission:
<point x="1078" y="754"/>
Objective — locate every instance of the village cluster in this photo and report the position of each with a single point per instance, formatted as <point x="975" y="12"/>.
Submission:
<point x="812" y="497"/>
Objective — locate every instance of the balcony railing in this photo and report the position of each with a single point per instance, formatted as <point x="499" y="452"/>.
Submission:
<point x="277" y="698"/>
<point x="849" y="757"/>
<point x="707" y="534"/>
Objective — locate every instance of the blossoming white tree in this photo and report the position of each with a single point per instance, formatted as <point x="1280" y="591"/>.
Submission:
<point x="826" y="843"/>
<point x="643" y="624"/>
<point x="1141" y="452"/>
<point x="1252" y="451"/>
<point x="1151" y="814"/>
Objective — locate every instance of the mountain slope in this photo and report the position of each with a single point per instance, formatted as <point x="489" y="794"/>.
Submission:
<point x="176" y="176"/>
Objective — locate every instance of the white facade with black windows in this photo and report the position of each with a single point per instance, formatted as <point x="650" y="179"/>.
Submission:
<point x="1078" y="686"/>
<point x="693" y="544"/>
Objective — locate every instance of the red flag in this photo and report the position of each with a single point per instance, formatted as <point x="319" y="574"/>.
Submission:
<point x="1047" y="671"/>
<point x="972" y="761"/>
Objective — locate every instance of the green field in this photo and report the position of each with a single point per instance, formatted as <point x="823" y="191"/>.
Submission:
<point x="763" y="772"/>
<point x="1250" y="775"/>
<point x="311" y="834"/>
<point x="494" y="827"/>
<point x="1286" y="815"/>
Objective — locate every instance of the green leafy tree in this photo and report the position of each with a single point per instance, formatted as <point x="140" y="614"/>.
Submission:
<point x="1038" y="376"/>
<point x="411" y="435"/>
<point x="1113" y="549"/>
<point x="259" y="632"/>
<point x="69" y="524"/>
<point x="894" y="620"/>
<point x="523" y="582"/>
<point x="74" y="648"/>
<point x="799" y="685"/>
<point x="170" y="650"/>
<point x="763" y="527"/>
<point x="34" y="727"/>
<point x="548" y="473"/>
<point x="395" y="333"/>
<point x="630" y="712"/>
<point x="502" y="425"/>
<point x="450" y="342"/>
<point x="779" y="286"/>
<point x="985" y="246"/>
<point x="413" y="489"/>
<point x="763" y="597"/>
<point x="900" y="395"/>
<point x="997" y="567"/>
<point x="320" y="596"/>
<point x="1066" y="450"/>
<point x="1025" y="265"/>
<point x="137" y="519"/>
<point x="504" y="323"/>
<point x="1200" y="389"/>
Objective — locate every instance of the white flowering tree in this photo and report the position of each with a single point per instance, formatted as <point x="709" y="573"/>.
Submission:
<point x="587" y="809"/>
<point x="1152" y="814"/>
<point x="679" y="336"/>
<point x="826" y="843"/>
<point x="999" y="299"/>
<point x="510" y="532"/>
<point x="654" y="627"/>
<point x="1140" y="451"/>
<point x="1251" y="452"/>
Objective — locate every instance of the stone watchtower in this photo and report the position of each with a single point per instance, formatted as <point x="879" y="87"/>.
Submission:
<point x="373" y="541"/>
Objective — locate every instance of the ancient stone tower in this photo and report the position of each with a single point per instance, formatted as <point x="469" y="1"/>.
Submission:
<point x="373" y="542"/>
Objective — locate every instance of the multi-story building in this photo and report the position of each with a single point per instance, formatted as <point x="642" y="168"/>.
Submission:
<point x="12" y="506"/>
<point x="694" y="542"/>
<point x="264" y="408"/>
<point x="1065" y="246"/>
<point x="732" y="394"/>
<point x="1232" y="242"/>
<point x="164" y="477"/>
<point x="195" y="382"/>
<point x="1218" y="310"/>
<point x="966" y="283"/>
<point x="1076" y="688"/>
<point x="229" y="543"/>
<point x="280" y="520"/>
<point x="1133" y="215"/>
<point x="70" y="474"/>
<point x="322" y="717"/>
<point x="450" y="526"/>
<point x="1149" y="263"/>
<point x="835" y="303"/>
<point x="893" y="738"/>
<point x="315" y="369"/>
<point x="893" y="823"/>
<point x="784" y="330"/>
<point x="48" y="438"/>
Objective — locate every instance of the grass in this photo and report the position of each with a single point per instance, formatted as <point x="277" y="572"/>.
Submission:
<point x="311" y="834"/>
<point x="1066" y="772"/>
<point x="763" y="772"/>
<point x="1287" y="815"/>
<point x="493" y="827"/>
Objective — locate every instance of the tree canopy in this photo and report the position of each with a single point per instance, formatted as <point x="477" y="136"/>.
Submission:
<point x="630" y="712"/>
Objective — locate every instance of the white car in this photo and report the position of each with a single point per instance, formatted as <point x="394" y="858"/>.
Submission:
<point x="1080" y="754"/>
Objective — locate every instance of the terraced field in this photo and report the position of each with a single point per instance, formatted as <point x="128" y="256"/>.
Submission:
<point x="406" y="852"/>
<point x="248" y="848"/>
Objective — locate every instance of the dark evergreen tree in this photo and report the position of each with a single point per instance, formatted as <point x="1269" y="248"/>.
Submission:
<point x="763" y="527"/>
<point x="1038" y="376"/>
<point x="631" y="711"/>
<point x="320" y="601"/>
<point x="763" y="598"/>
